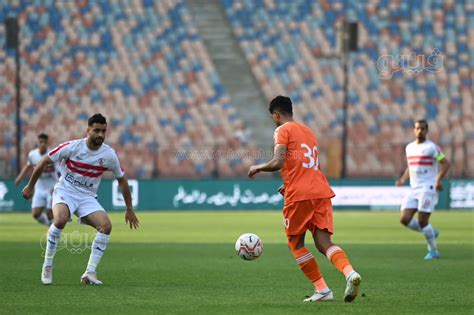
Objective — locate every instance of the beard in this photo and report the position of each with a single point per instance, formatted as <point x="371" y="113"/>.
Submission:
<point x="98" y="141"/>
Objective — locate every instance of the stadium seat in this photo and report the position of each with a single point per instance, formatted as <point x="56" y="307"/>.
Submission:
<point x="292" y="49"/>
<point x="144" y="66"/>
<point x="141" y="63"/>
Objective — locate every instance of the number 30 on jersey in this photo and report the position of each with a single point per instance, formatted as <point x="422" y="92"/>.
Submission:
<point x="312" y="156"/>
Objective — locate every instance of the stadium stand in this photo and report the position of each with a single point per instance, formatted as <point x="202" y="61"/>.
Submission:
<point x="143" y="64"/>
<point x="140" y="63"/>
<point x="292" y="48"/>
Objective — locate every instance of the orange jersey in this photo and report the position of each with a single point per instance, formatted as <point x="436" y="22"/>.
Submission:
<point x="301" y="175"/>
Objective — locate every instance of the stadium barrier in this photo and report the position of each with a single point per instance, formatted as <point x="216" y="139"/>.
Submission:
<point x="248" y="195"/>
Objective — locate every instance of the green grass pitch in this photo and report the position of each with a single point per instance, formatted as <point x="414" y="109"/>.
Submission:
<point x="184" y="263"/>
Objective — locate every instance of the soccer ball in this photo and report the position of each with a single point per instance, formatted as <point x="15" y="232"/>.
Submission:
<point x="249" y="246"/>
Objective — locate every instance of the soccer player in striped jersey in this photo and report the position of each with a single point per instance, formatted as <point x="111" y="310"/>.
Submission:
<point x="42" y="197"/>
<point x="308" y="204"/>
<point x="85" y="161"/>
<point x="423" y="157"/>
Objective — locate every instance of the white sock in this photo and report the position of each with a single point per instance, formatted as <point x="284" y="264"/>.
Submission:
<point x="43" y="219"/>
<point x="97" y="251"/>
<point x="414" y="225"/>
<point x="54" y="236"/>
<point x="430" y="237"/>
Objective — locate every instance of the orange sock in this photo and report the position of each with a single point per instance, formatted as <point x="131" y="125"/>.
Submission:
<point x="339" y="259"/>
<point x="310" y="267"/>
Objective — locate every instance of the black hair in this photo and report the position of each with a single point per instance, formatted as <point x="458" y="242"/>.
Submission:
<point x="422" y="121"/>
<point x="43" y="136"/>
<point x="96" y="119"/>
<point x="282" y="104"/>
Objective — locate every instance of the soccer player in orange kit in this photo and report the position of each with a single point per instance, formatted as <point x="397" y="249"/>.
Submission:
<point x="307" y="200"/>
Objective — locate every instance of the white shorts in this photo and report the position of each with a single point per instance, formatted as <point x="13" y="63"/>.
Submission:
<point x="42" y="199"/>
<point x="423" y="201"/>
<point x="80" y="205"/>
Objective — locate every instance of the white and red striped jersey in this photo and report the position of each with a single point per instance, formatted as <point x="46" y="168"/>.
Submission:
<point x="83" y="168"/>
<point x="422" y="159"/>
<point x="48" y="178"/>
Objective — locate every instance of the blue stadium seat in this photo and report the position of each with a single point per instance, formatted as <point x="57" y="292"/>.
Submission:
<point x="373" y="100"/>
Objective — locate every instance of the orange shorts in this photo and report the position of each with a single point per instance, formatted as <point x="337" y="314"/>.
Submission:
<point x="301" y="216"/>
